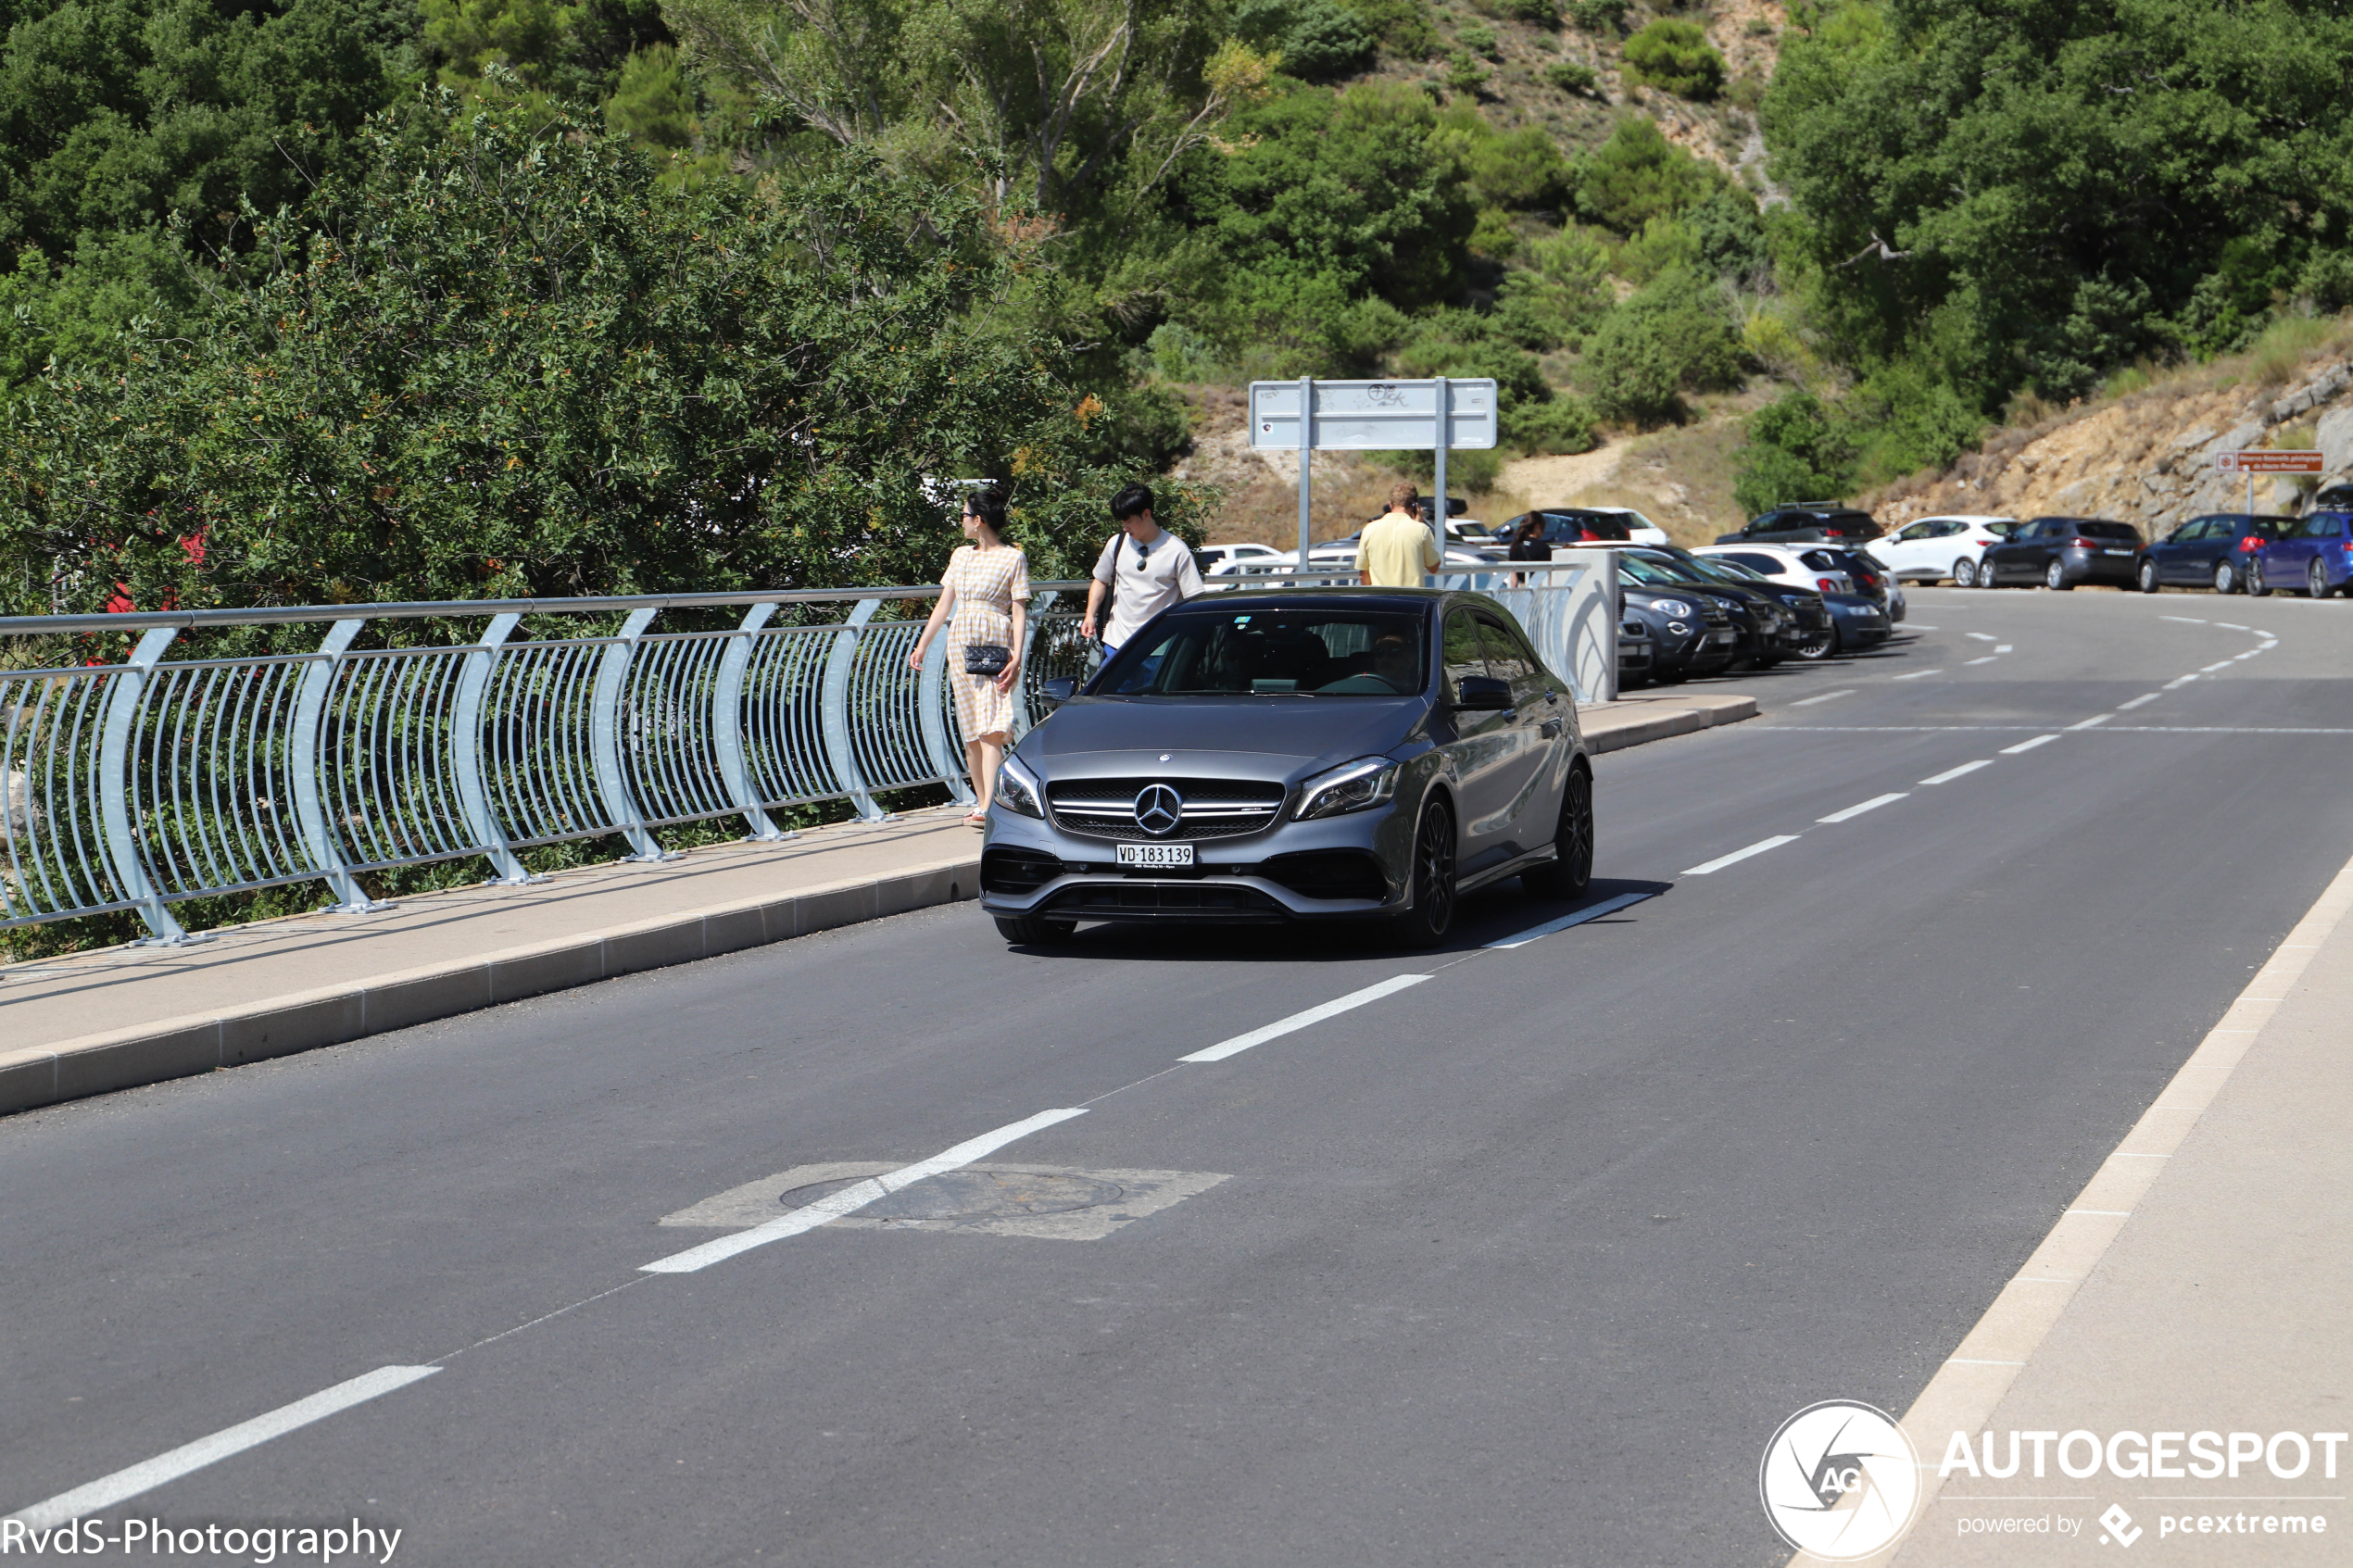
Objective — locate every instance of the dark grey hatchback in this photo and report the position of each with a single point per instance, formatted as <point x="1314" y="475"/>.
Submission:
<point x="1307" y="754"/>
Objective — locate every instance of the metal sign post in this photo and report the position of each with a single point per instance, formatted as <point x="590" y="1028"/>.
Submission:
<point x="1435" y="416"/>
<point x="2254" y="460"/>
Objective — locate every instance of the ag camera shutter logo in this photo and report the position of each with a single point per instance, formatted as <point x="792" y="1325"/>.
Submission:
<point x="1840" y="1480"/>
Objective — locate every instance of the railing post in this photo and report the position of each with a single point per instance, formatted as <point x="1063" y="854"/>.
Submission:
<point x="114" y="790"/>
<point x="834" y="712"/>
<point x="1038" y="609"/>
<point x="945" y="757"/>
<point x="474" y="785"/>
<point x="727" y="724"/>
<point x="604" y="738"/>
<point x="306" y="768"/>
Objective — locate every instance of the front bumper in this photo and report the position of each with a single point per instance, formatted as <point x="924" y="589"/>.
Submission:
<point x="1352" y="865"/>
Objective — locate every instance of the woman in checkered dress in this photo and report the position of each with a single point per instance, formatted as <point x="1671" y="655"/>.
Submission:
<point x="986" y="586"/>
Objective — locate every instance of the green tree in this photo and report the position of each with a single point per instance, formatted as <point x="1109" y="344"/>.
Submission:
<point x="1796" y="451"/>
<point x="1674" y="57"/>
<point x="1636" y="175"/>
<point x="1671" y="338"/>
<point x="498" y="361"/>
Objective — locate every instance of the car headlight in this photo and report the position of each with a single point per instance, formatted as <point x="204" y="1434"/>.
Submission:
<point x="1368" y="780"/>
<point x="1018" y="790"/>
<point x="1669" y="606"/>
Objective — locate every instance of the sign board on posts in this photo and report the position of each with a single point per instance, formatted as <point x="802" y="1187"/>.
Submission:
<point x="1373" y="416"/>
<point x="2267" y="461"/>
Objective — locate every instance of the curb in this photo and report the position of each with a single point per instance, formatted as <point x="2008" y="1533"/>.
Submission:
<point x="179" y="1047"/>
<point x="1640" y="726"/>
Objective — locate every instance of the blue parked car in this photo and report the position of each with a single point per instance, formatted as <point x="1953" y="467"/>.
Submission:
<point x="2316" y="553"/>
<point x="2213" y="550"/>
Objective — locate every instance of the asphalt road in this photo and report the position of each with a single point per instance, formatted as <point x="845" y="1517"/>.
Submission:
<point x="1519" y="1264"/>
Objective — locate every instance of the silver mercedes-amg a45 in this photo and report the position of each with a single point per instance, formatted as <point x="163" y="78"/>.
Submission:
<point x="1297" y="754"/>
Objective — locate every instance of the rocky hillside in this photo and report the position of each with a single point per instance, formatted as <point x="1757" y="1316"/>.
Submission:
<point x="2147" y="458"/>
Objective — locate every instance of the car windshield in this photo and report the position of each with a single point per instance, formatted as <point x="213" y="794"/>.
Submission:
<point x="1651" y="569"/>
<point x="1291" y="651"/>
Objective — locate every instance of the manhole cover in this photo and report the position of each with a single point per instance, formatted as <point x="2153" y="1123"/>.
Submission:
<point x="972" y="1195"/>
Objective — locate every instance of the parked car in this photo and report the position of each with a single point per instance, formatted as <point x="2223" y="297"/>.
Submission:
<point x="2213" y="550"/>
<point x="1209" y="558"/>
<point x="1807" y="524"/>
<point x="1782" y="563"/>
<point x="1768" y="627"/>
<point x="1346" y="754"/>
<point x="1568" y="527"/>
<point x="1815" y="632"/>
<point x="1633" y="651"/>
<point x="2061" y="552"/>
<point x="2333" y="498"/>
<point x="1639" y="530"/>
<point x="1871" y="580"/>
<point x="1692" y="633"/>
<point x="2315" y="554"/>
<point x="1937" y="547"/>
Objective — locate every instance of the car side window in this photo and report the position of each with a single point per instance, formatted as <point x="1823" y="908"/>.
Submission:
<point x="1464" y="656"/>
<point x="1917" y="532"/>
<point x="1769" y="523"/>
<point x="2321" y="527"/>
<point x="1506" y="659"/>
<point x="1755" y="562"/>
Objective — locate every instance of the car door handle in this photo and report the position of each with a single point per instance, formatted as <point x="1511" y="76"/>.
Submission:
<point x="1552" y="729"/>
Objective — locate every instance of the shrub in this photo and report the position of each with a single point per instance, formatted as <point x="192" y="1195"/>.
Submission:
<point x="1318" y="39"/>
<point x="1674" y="57"/>
<point x="1402" y="26"/>
<point x="1597" y="16"/>
<point x="1479" y="39"/>
<point x="1464" y="74"/>
<point x="1541" y="13"/>
<point x="1796" y="450"/>
<point x="1667" y="340"/>
<point x="1572" y="76"/>
<point x="1563" y="423"/>
<point x="1636" y="175"/>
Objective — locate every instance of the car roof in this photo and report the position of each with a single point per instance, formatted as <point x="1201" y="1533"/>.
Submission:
<point x="1391" y="598"/>
<point x="1963" y="517"/>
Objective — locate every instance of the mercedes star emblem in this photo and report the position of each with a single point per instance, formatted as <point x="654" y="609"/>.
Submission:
<point x="1159" y="808"/>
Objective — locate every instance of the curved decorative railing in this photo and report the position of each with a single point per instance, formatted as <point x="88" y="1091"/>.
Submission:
<point x="135" y="784"/>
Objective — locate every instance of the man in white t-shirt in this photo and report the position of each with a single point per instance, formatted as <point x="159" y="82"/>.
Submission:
<point x="1144" y="570"/>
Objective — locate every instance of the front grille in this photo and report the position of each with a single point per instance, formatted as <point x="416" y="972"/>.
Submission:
<point x="1213" y="809"/>
<point x="1016" y="870"/>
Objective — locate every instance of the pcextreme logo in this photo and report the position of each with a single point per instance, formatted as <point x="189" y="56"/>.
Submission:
<point x="1840" y="1480"/>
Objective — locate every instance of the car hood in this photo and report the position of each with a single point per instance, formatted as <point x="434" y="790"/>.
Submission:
<point x="1266" y="738"/>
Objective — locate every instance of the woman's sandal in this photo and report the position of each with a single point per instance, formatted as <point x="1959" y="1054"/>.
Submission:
<point x="975" y="819"/>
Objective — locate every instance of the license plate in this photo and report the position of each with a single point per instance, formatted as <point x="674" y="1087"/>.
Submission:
<point x="2116" y="552"/>
<point x="1155" y="854"/>
<point x="1724" y="637"/>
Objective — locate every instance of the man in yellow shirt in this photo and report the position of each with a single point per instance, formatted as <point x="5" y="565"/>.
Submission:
<point x="1397" y="549"/>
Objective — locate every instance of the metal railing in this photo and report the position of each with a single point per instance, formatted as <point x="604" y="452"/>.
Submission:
<point x="135" y="784"/>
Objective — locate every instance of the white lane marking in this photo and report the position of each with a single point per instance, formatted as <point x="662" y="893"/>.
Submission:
<point x="1949" y="774"/>
<point x="2248" y="654"/>
<point x="852" y="1199"/>
<point x="109" y="1490"/>
<point x="2138" y="701"/>
<point x="2184" y="620"/>
<point x="1810" y="701"/>
<point x="1606" y="907"/>
<point x="2001" y="648"/>
<point x="1853" y="812"/>
<point x="2028" y="745"/>
<point x="2093" y="723"/>
<point x="2218" y="664"/>
<point x="1981" y="636"/>
<point x="1919" y="674"/>
<point x="1281" y="1026"/>
<point x="1987" y="659"/>
<point x="1758" y="847"/>
<point x="2179" y="681"/>
<point x="2233" y="626"/>
<point x="1915" y="626"/>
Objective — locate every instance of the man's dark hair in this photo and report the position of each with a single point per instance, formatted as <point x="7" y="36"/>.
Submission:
<point x="1136" y="498"/>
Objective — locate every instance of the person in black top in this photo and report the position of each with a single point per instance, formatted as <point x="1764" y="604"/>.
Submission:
<point x="1527" y="544"/>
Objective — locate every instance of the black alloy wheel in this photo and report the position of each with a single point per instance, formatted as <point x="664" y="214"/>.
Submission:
<point x="1965" y="574"/>
<point x="2316" y="582"/>
<point x="1035" y="931"/>
<point x="2055" y="578"/>
<point x="1570" y="871"/>
<point x="2225" y="579"/>
<point x="2148" y="575"/>
<point x="1432" y="916"/>
<point x="2255" y="587"/>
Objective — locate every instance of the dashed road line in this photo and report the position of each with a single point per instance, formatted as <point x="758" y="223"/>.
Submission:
<point x="1737" y="856"/>
<point x="1810" y="701"/>
<point x="2002" y="648"/>
<point x="1299" y="1020"/>
<point x="1981" y="636"/>
<point x="2093" y="723"/>
<point x="2184" y="620"/>
<point x="2028" y="745"/>
<point x="2218" y="664"/>
<point x="1987" y="659"/>
<point x="1949" y="774"/>
<point x="2179" y="681"/>
<point x="2138" y="701"/>
<point x="1606" y="907"/>
<point x="1919" y="674"/>
<point x="1853" y="812"/>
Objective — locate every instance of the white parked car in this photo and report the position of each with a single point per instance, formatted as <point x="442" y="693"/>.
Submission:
<point x="1209" y="558"/>
<point x="1937" y="547"/>
<point x="1784" y="563"/>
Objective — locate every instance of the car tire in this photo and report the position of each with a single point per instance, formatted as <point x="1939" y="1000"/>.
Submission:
<point x="2055" y="578"/>
<point x="1570" y="871"/>
<point x="1986" y="573"/>
<point x="1432" y="916"/>
<point x="1821" y="648"/>
<point x="2225" y="579"/>
<point x="1965" y="574"/>
<point x="1675" y="677"/>
<point x="2316" y="582"/>
<point x="1035" y="931"/>
<point x="2146" y="576"/>
<point x="2255" y="587"/>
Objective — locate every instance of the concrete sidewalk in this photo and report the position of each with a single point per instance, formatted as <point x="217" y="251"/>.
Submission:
<point x="126" y="1016"/>
<point x="2200" y="1286"/>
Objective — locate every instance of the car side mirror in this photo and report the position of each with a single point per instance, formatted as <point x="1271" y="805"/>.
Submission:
<point x="1482" y="693"/>
<point x="1059" y="690"/>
